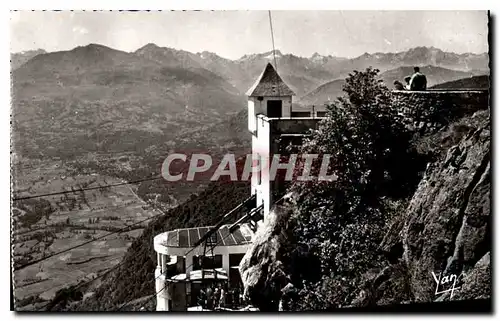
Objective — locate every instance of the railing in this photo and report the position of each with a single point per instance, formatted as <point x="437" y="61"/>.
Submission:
<point x="249" y="203"/>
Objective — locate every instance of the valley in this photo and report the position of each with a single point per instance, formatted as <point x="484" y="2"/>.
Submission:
<point x="47" y="225"/>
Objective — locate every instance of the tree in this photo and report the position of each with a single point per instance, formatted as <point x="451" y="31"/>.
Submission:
<point x="341" y="222"/>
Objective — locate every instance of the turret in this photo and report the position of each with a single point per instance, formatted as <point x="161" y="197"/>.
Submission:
<point x="269" y="96"/>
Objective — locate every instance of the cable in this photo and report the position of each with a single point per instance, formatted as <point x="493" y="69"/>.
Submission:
<point x="187" y="253"/>
<point x="233" y="228"/>
<point x="274" y="55"/>
<point x="272" y="39"/>
<point x="118" y="265"/>
<point x="211" y="231"/>
<point x="22" y="266"/>
<point x="86" y="189"/>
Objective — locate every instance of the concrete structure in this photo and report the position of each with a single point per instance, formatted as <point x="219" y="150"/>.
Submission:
<point x="273" y="123"/>
<point x="179" y="265"/>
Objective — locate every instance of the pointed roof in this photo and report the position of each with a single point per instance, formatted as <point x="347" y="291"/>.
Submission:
<point x="270" y="83"/>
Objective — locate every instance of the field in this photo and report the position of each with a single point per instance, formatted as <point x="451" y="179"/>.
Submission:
<point x="46" y="225"/>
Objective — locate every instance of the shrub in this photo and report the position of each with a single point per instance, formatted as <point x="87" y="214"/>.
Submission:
<point x="341" y="222"/>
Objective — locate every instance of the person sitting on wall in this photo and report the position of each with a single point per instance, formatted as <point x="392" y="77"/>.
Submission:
<point x="418" y="80"/>
<point x="398" y="85"/>
<point x="407" y="80"/>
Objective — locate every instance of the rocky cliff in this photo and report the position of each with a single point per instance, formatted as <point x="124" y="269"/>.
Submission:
<point x="446" y="226"/>
<point x="445" y="229"/>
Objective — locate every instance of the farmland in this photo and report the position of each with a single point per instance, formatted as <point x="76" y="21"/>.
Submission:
<point x="46" y="225"/>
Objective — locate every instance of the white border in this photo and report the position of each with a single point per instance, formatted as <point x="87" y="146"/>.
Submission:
<point x="253" y="5"/>
<point x="179" y="5"/>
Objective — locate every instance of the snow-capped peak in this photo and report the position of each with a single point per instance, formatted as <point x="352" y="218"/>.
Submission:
<point x="271" y="56"/>
<point x="317" y="57"/>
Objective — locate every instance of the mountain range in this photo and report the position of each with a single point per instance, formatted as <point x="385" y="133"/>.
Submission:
<point x="94" y="98"/>
<point x="435" y="75"/>
<point x="302" y="73"/>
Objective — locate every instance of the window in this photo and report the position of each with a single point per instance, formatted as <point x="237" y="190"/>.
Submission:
<point x="301" y="114"/>
<point x="321" y="113"/>
<point x="274" y="108"/>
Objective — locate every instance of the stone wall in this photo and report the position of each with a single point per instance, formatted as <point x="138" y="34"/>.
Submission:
<point x="427" y="111"/>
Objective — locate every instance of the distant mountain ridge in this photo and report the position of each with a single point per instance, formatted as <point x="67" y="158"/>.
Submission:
<point x="304" y="74"/>
<point x="435" y="75"/>
<point x="19" y="58"/>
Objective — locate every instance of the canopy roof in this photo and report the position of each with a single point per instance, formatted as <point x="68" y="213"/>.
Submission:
<point x="187" y="237"/>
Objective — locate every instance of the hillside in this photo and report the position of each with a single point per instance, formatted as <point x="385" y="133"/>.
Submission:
<point x="19" y="58"/>
<point x="431" y="231"/>
<point x="325" y="93"/>
<point x="475" y="82"/>
<point x="435" y="75"/>
<point x="95" y="98"/>
<point x="168" y="56"/>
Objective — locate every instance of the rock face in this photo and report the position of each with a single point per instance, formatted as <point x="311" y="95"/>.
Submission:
<point x="446" y="227"/>
<point x="477" y="283"/>
<point x="262" y="268"/>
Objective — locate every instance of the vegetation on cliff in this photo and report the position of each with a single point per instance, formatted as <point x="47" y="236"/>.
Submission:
<point x="403" y="205"/>
<point x="342" y="221"/>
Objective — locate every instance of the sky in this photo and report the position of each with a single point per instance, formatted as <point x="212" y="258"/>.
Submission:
<point x="232" y="34"/>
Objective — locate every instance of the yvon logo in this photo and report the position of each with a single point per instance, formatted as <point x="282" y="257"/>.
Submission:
<point x="446" y="283"/>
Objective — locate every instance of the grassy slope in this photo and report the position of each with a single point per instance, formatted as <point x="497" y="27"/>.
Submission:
<point x="476" y="82"/>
